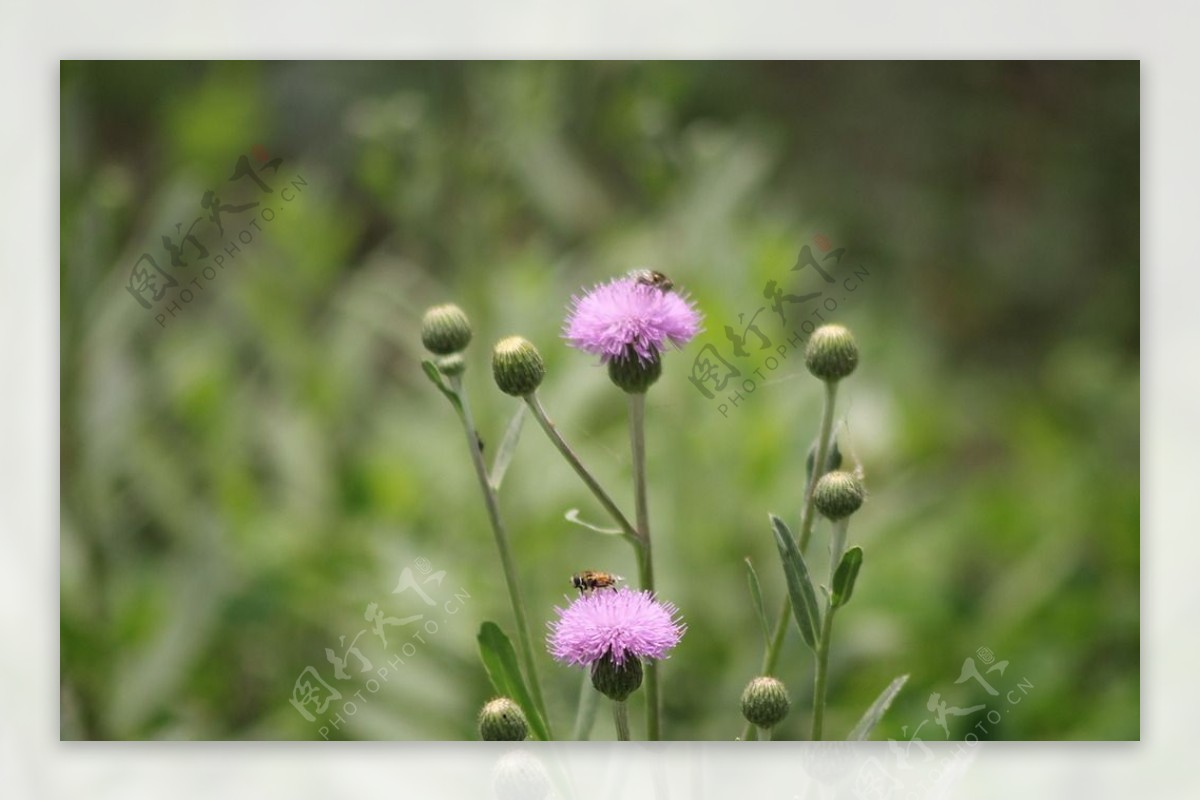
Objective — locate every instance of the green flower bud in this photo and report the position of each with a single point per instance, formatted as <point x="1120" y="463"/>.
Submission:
<point x="765" y="701"/>
<point x="502" y="719"/>
<point x="445" y="330"/>
<point x="838" y="494"/>
<point x="617" y="681"/>
<point x="831" y="353"/>
<point x="517" y="366"/>
<point x="452" y="365"/>
<point x="633" y="375"/>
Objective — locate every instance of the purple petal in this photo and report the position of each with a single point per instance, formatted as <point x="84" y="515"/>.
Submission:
<point x="624" y="315"/>
<point x="621" y="624"/>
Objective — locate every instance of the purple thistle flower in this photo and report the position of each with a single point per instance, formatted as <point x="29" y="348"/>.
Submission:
<point x="621" y="624"/>
<point x="625" y="315"/>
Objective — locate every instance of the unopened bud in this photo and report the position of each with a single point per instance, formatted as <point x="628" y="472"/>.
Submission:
<point x="451" y="365"/>
<point x="445" y="330"/>
<point x="517" y="366"/>
<point x="838" y="494"/>
<point x="519" y="774"/>
<point x="831" y="353"/>
<point x="502" y="719"/>
<point x="765" y="701"/>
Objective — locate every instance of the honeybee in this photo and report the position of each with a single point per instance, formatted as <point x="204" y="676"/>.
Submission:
<point x="652" y="278"/>
<point x="588" y="581"/>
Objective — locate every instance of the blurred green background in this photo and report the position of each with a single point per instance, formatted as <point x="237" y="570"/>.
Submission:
<point x="239" y="484"/>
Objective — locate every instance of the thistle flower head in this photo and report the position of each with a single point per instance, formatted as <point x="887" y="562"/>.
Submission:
<point x="624" y="318"/>
<point x="620" y="625"/>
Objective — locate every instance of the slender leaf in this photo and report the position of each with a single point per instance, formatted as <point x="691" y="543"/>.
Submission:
<point x="756" y="596"/>
<point x="845" y="576"/>
<point x="800" y="589"/>
<point x="572" y="516"/>
<point x="862" y="730"/>
<point x="435" y="375"/>
<point x="500" y="660"/>
<point x="508" y="446"/>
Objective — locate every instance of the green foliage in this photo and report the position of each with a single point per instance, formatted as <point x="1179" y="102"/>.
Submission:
<point x="500" y="659"/>
<point x="870" y="719"/>
<point x="760" y="610"/>
<point x="846" y="575"/>
<point x="803" y="598"/>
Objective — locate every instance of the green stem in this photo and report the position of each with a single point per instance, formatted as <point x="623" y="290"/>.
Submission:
<point x="819" y="680"/>
<point x="637" y="441"/>
<point x="806" y="515"/>
<point x="621" y="719"/>
<point x="771" y="657"/>
<point x="585" y="716"/>
<point x="807" y="519"/>
<point x="766" y="734"/>
<point x="535" y="405"/>
<point x="837" y="546"/>
<point x="506" y="559"/>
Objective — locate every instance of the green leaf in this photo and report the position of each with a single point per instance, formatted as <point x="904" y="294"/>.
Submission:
<point x="862" y="730"/>
<point x="833" y="458"/>
<point x="508" y="446"/>
<point x="435" y="375"/>
<point x="800" y="589"/>
<point x="756" y="596"/>
<point x="500" y="660"/>
<point x="572" y="516"/>
<point x="845" y="576"/>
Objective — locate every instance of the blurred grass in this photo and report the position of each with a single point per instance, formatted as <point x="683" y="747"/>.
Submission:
<point x="239" y="485"/>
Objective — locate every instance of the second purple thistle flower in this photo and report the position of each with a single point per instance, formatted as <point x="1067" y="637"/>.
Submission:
<point x="626" y="317"/>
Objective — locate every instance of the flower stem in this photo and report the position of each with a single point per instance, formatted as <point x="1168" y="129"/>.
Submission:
<point x="771" y="657"/>
<point x="621" y="719"/>
<point x="535" y="405"/>
<point x="766" y="734"/>
<point x="501" y="536"/>
<point x="819" y="680"/>
<point x="837" y="546"/>
<point x="585" y="716"/>
<point x="806" y="515"/>
<point x="637" y="441"/>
